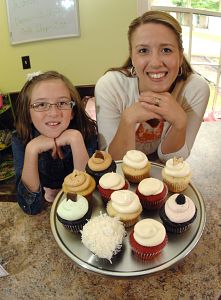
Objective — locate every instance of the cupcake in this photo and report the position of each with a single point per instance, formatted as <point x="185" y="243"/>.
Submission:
<point x="152" y="193"/>
<point x="79" y="182"/>
<point x="73" y="212"/>
<point x="109" y="183"/>
<point x="135" y="166"/>
<point x="100" y="163"/>
<point x="176" y="174"/>
<point x="178" y="213"/>
<point x="148" y="239"/>
<point x="103" y="236"/>
<point x="125" y="205"/>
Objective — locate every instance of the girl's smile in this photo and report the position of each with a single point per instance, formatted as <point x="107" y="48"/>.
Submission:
<point x="54" y="121"/>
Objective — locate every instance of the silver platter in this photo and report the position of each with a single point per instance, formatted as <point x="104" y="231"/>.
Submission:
<point x="124" y="264"/>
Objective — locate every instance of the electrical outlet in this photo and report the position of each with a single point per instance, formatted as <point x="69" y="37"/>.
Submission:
<point x="26" y="62"/>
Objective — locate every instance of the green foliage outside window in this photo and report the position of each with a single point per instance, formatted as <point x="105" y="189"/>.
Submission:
<point x="205" y="4"/>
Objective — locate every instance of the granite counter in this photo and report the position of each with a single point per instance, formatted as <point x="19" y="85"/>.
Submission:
<point x="38" y="269"/>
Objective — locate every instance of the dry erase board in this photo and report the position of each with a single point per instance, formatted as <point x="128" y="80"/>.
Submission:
<point x="34" y="20"/>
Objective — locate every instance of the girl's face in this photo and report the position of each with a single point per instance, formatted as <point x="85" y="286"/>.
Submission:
<point x="155" y="56"/>
<point x="54" y="121"/>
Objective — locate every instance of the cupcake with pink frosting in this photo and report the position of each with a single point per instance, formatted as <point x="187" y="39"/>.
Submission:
<point x="152" y="193"/>
<point x="135" y="166"/>
<point x="109" y="183"/>
<point x="176" y="174"/>
<point x="148" y="239"/>
<point x="125" y="205"/>
<point x="178" y="213"/>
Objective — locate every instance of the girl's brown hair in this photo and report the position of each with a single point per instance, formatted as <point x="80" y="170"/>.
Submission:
<point x="23" y="123"/>
<point x="158" y="17"/>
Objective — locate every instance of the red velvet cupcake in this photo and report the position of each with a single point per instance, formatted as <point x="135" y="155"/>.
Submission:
<point x="152" y="193"/>
<point x="148" y="239"/>
<point x="109" y="183"/>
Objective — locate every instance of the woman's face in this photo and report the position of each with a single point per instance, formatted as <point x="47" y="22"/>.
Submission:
<point x="52" y="122"/>
<point x="155" y="56"/>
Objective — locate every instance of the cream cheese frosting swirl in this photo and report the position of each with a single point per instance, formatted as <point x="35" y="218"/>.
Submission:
<point x="113" y="181"/>
<point x="179" y="213"/>
<point x="135" y="159"/>
<point x="149" y="232"/>
<point x="179" y="169"/>
<point x="73" y="210"/>
<point x="75" y="182"/>
<point x="125" y="201"/>
<point x="150" y="186"/>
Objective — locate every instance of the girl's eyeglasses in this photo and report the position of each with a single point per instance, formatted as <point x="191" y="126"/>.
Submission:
<point x="44" y="106"/>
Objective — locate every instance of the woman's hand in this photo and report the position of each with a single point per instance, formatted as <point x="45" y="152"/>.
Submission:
<point x="165" y="105"/>
<point x="138" y="113"/>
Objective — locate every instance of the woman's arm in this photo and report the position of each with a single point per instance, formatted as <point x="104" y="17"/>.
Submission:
<point x="193" y="99"/>
<point x="118" y="114"/>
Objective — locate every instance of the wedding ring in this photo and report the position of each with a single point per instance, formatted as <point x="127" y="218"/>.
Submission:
<point x="157" y="101"/>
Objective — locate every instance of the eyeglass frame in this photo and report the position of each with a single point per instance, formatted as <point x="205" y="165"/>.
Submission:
<point x="71" y="103"/>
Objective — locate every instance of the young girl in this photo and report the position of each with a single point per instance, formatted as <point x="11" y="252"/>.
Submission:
<point x="53" y="136"/>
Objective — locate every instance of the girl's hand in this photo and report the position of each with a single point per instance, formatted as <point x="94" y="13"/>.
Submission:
<point x="165" y="105"/>
<point x="41" y="144"/>
<point x="73" y="138"/>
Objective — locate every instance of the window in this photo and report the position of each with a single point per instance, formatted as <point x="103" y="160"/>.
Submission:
<point x="201" y="23"/>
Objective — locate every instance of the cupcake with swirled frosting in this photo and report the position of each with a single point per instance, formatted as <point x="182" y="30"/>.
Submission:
<point x="109" y="183"/>
<point x="148" y="239"/>
<point x="152" y="193"/>
<point x="125" y="205"/>
<point x="100" y="163"/>
<point x="79" y="182"/>
<point x="135" y="166"/>
<point x="176" y="174"/>
<point x="178" y="213"/>
<point x="73" y="212"/>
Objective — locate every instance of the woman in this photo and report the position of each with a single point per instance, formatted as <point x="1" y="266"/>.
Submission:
<point x="154" y="102"/>
<point x="53" y="136"/>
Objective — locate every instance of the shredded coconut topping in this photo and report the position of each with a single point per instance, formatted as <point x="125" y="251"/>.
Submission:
<point x="103" y="235"/>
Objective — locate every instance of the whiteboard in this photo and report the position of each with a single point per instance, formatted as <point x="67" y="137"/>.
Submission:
<point x="34" y="20"/>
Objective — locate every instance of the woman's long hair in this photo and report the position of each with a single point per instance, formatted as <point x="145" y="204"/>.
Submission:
<point x="157" y="17"/>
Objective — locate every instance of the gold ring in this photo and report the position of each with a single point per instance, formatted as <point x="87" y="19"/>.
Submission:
<point x="157" y="101"/>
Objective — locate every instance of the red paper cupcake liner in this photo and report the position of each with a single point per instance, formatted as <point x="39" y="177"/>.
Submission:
<point x="146" y="253"/>
<point x="153" y="201"/>
<point x="106" y="193"/>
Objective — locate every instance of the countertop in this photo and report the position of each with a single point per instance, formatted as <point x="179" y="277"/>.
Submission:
<point x="38" y="269"/>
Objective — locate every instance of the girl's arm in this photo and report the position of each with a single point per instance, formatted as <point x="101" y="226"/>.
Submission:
<point x="30" y="174"/>
<point x="31" y="202"/>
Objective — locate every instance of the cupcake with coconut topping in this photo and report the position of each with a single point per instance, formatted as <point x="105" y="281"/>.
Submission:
<point x="100" y="163"/>
<point x="176" y="174"/>
<point x="152" y="193"/>
<point x="109" y="183"/>
<point x="73" y="212"/>
<point x="135" y="166"/>
<point x="125" y="205"/>
<point x="103" y="236"/>
<point x="148" y="239"/>
<point x="178" y="213"/>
